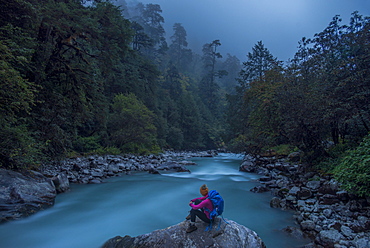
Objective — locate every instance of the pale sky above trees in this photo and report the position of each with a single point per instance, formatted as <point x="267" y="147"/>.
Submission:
<point x="239" y="24"/>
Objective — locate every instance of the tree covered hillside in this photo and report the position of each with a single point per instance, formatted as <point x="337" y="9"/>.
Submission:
<point x="92" y="77"/>
<point x="102" y="77"/>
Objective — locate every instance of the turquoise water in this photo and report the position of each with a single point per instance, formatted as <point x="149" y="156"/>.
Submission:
<point x="135" y="204"/>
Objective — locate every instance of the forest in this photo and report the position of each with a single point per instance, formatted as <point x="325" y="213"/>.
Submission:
<point x="82" y="77"/>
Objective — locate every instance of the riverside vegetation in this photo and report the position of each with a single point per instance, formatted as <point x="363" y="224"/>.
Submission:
<point x="326" y="213"/>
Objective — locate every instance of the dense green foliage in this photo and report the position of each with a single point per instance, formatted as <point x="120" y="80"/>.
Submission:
<point x="320" y="97"/>
<point x="131" y="125"/>
<point x="92" y="77"/>
<point x="317" y="103"/>
<point x="82" y="77"/>
<point x="354" y="169"/>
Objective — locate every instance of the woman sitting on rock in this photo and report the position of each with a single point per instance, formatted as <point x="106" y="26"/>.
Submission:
<point x="199" y="206"/>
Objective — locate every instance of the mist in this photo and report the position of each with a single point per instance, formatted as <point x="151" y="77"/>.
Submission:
<point x="240" y="24"/>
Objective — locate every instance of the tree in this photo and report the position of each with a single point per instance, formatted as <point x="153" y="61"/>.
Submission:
<point x="255" y="117"/>
<point x="179" y="55"/>
<point x="73" y="59"/>
<point x="259" y="61"/>
<point x="150" y="18"/>
<point x="140" y="39"/>
<point x="17" y="96"/>
<point x="232" y="66"/>
<point x="131" y="125"/>
<point x="208" y="87"/>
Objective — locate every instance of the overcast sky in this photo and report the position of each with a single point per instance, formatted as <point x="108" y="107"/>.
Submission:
<point x="240" y="24"/>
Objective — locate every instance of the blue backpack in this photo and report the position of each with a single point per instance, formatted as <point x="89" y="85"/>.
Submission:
<point x="218" y="208"/>
<point x="217" y="202"/>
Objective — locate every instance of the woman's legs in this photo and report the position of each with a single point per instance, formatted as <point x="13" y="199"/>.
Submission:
<point x="201" y="215"/>
<point x="196" y="203"/>
<point x="193" y="215"/>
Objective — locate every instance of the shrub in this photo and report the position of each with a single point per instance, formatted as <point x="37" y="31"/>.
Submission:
<point x="353" y="170"/>
<point x="86" y="144"/>
<point x="131" y="124"/>
<point x="107" y="151"/>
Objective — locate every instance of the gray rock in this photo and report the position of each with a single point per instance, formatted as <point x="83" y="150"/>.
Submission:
<point x="346" y="231"/>
<point x="259" y="189"/>
<point x="327" y="212"/>
<point x="294" y="190"/>
<point x="308" y="225"/>
<point x="362" y="243"/>
<point x="364" y="221"/>
<point x="294" y="232"/>
<point x="61" y="183"/>
<point x="291" y="198"/>
<point x="343" y="195"/>
<point x="173" y="166"/>
<point x="304" y="194"/>
<point x="275" y="202"/>
<point x="229" y="235"/>
<point x="313" y="185"/>
<point x="294" y="156"/>
<point x="24" y="194"/>
<point x="328" y="238"/>
<point x="94" y="181"/>
<point x="330" y="187"/>
<point x="248" y="166"/>
<point x="186" y="162"/>
<point x="114" y="168"/>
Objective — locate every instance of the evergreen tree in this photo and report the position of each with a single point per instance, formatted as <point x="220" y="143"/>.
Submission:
<point x="233" y="67"/>
<point x="179" y="55"/>
<point x="208" y="87"/>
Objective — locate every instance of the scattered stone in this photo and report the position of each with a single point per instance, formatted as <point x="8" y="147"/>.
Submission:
<point x="328" y="238"/>
<point x="259" y="189"/>
<point x="275" y="202"/>
<point x="95" y="181"/>
<point x="314" y="185"/>
<point x="304" y="194"/>
<point x="185" y="162"/>
<point x="294" y="232"/>
<point x="294" y="156"/>
<point x="248" y="166"/>
<point x="308" y="225"/>
<point x="61" y="183"/>
<point x="326" y="213"/>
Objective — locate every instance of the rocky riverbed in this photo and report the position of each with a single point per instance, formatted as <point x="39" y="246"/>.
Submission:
<point x="328" y="215"/>
<point x="24" y="193"/>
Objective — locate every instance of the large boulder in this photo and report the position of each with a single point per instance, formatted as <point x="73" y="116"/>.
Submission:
<point x="173" y="166"/>
<point x="24" y="194"/>
<point x="228" y="235"/>
<point x="61" y="182"/>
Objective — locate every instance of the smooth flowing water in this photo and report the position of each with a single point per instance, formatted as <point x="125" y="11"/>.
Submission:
<point x="135" y="204"/>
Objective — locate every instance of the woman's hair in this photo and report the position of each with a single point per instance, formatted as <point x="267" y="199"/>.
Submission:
<point x="203" y="190"/>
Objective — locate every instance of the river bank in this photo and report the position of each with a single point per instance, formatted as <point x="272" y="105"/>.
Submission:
<point x="328" y="215"/>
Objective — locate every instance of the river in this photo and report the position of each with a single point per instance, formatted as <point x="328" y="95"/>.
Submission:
<point x="139" y="203"/>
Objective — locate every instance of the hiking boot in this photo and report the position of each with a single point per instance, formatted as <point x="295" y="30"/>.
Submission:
<point x="188" y="217"/>
<point x="191" y="228"/>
